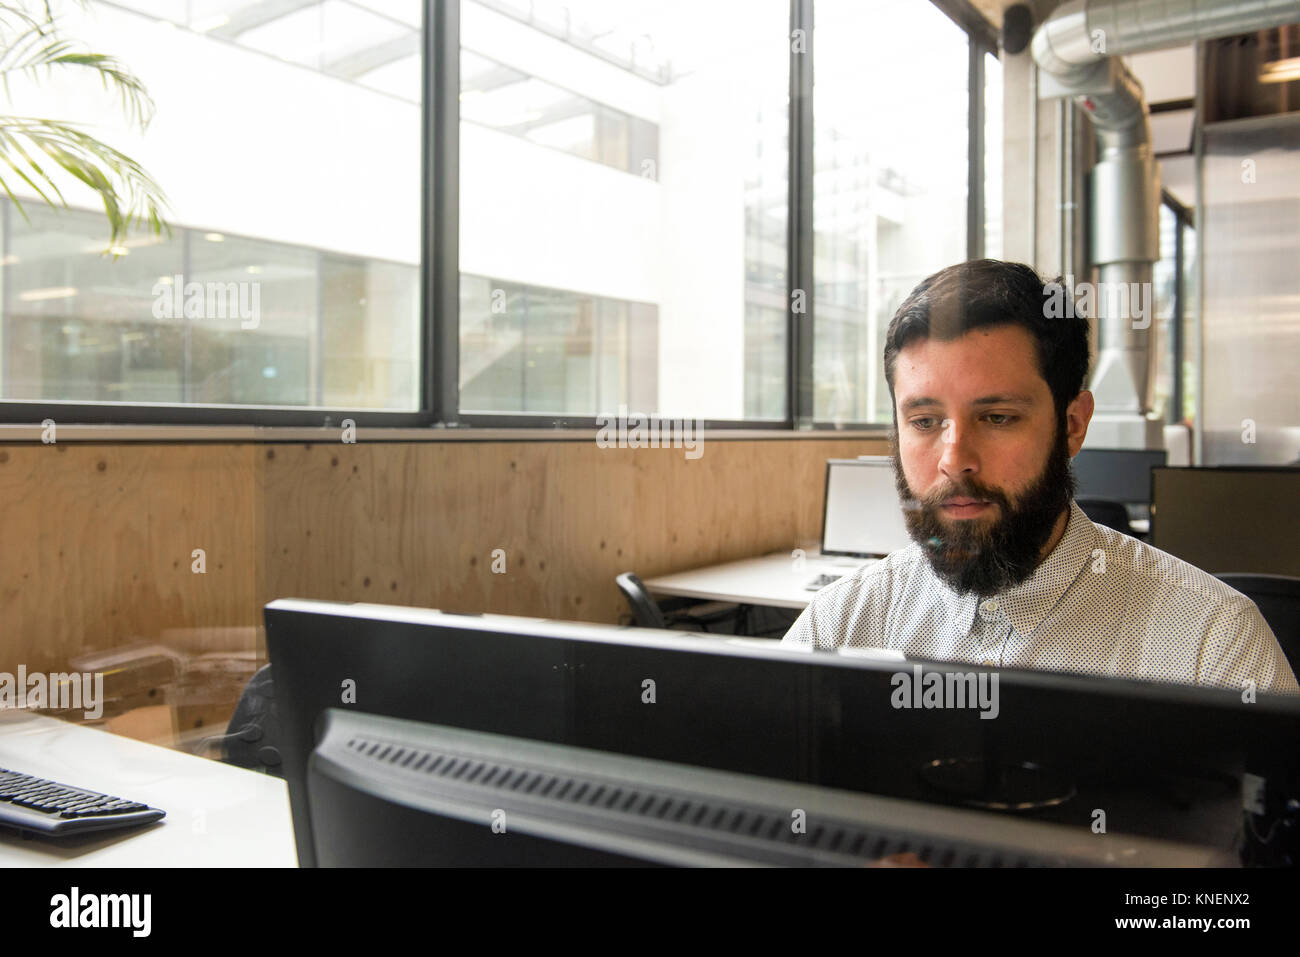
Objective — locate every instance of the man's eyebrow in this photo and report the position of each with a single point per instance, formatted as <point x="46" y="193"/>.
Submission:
<point x="918" y="402"/>
<point x="1000" y="399"/>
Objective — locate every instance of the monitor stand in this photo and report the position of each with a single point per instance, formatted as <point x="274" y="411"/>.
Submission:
<point x="996" y="785"/>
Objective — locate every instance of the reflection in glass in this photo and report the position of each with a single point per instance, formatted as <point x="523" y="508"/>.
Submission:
<point x="201" y="317"/>
<point x="531" y="349"/>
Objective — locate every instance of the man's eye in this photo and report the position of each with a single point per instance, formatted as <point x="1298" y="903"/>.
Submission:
<point x="925" y="423"/>
<point x="1001" y="418"/>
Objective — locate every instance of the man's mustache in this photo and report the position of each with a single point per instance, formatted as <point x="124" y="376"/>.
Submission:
<point x="968" y="489"/>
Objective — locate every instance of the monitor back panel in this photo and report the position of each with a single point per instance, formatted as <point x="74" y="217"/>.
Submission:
<point x="1228" y="519"/>
<point x="1121" y="475"/>
<point x="814" y="718"/>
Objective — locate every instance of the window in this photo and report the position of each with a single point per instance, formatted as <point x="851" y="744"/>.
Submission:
<point x="1173" y="316"/>
<point x="892" y="164"/>
<point x="1249" y="403"/>
<point x="1190" y="356"/>
<point x="291" y="276"/>
<point x="992" y="156"/>
<point x="621" y="198"/>
<point x="495" y="96"/>
<point x="1165" y="291"/>
<point x="531" y="349"/>
<point x="654" y="279"/>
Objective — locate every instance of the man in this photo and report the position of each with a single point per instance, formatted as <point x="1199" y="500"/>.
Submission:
<point x="1005" y="570"/>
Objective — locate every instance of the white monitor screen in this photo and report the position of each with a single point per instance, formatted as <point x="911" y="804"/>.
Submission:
<point x="863" y="515"/>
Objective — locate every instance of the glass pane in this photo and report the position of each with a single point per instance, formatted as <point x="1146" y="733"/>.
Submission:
<point x="1164" y="279"/>
<point x="992" y="157"/>
<point x="1191" y="355"/>
<point x="623" y="191"/>
<point x="291" y="275"/>
<point x="890" y="184"/>
<point x="79" y="326"/>
<point x="1248" y="234"/>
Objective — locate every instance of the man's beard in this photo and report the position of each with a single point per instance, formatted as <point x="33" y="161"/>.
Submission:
<point x="974" y="556"/>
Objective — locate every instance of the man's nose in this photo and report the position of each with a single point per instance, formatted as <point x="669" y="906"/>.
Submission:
<point x="959" y="459"/>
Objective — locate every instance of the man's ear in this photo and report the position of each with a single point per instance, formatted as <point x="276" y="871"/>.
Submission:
<point x="1077" y="416"/>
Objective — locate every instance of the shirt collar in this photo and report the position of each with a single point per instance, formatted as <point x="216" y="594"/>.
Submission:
<point x="1027" y="604"/>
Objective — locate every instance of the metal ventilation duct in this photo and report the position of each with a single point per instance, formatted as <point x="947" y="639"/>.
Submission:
<point x="1065" y="41"/>
<point x="1078" y="49"/>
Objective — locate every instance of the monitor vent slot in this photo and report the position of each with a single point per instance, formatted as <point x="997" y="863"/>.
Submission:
<point x="663" y="807"/>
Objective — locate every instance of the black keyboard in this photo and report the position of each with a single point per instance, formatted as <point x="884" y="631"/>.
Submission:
<point x="45" y="807"/>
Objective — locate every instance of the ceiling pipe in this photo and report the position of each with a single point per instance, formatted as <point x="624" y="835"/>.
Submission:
<point x="1077" y="49"/>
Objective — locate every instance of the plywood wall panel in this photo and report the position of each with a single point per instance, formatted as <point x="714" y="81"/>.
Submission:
<point x="99" y="538"/>
<point x="420" y="524"/>
<point x="98" y="544"/>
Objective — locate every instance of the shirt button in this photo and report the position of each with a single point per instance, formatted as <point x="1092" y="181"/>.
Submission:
<point x="989" y="609"/>
<point x="989" y="663"/>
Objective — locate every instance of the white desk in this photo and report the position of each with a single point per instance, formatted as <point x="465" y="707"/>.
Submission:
<point x="778" y="580"/>
<point x="217" y="815"/>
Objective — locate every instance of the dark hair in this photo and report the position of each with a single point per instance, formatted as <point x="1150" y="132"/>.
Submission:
<point x="989" y="292"/>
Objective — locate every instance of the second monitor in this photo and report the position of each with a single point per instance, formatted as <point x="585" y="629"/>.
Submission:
<point x="863" y="517"/>
<point x="1121" y="475"/>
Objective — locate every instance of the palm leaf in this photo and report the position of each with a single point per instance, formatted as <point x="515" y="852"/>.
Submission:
<point x="17" y="15"/>
<point x="129" y="194"/>
<point x="31" y="46"/>
<point x="36" y="51"/>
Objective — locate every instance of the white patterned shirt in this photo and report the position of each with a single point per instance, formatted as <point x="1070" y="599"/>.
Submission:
<point x="1102" y="603"/>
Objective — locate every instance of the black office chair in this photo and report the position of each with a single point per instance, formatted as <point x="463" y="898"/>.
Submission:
<point x="252" y="739"/>
<point x="677" y="613"/>
<point x="1106" y="512"/>
<point x="1278" y="599"/>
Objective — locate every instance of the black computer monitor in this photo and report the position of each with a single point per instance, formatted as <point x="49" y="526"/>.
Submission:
<point x="1121" y="475"/>
<point x="1228" y="518"/>
<point x="391" y="792"/>
<point x="1160" y="761"/>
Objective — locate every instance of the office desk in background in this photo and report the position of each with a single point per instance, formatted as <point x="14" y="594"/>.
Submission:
<point x="775" y="580"/>
<point x="771" y="580"/>
<point x="217" y="815"/>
